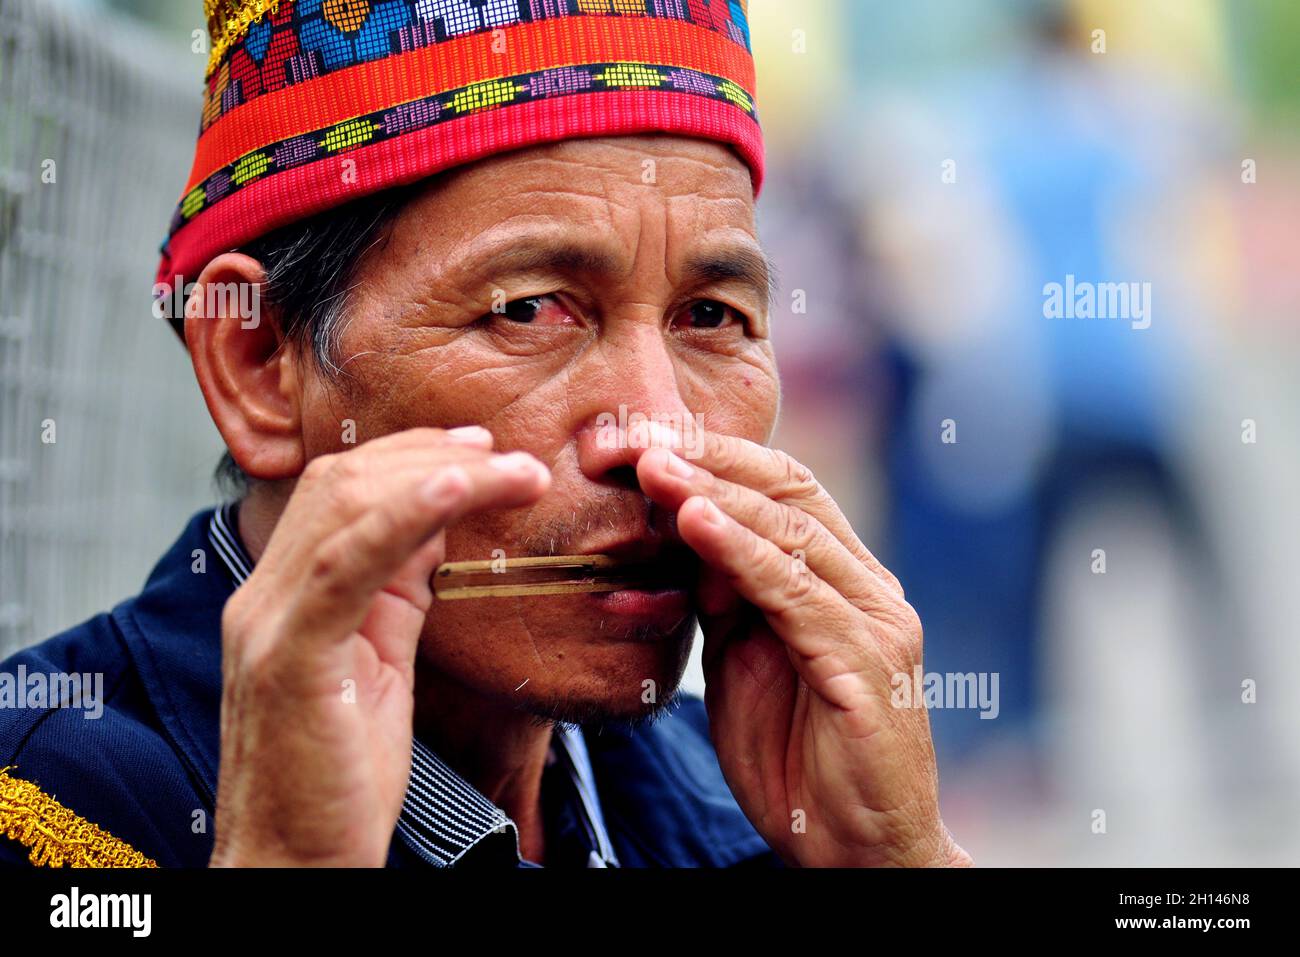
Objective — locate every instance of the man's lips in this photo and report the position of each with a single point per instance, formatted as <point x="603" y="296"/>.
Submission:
<point x="639" y="565"/>
<point x="661" y="579"/>
<point x="651" y="564"/>
<point x="660" y="576"/>
<point x="648" y="604"/>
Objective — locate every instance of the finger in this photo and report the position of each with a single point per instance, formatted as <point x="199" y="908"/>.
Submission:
<point x="427" y="437"/>
<point x="400" y="514"/>
<point x="398" y="611"/>
<point x="333" y="488"/>
<point x="715" y="597"/>
<point x="771" y="472"/>
<point x="670" y="480"/>
<point x="806" y="613"/>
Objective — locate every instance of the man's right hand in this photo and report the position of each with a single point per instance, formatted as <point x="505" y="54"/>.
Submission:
<point x="318" y="646"/>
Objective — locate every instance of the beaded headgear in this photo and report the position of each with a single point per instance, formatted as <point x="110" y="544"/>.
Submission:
<point x="312" y="103"/>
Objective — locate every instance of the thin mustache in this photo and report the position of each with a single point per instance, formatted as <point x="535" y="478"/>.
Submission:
<point x="624" y="516"/>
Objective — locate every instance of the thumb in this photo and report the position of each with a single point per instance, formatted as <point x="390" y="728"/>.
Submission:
<point x="396" y="616"/>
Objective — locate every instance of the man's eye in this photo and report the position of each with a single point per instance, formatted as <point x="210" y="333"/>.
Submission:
<point x="538" y="311"/>
<point x="711" y="314"/>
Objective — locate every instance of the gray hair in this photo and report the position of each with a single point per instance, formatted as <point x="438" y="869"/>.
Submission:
<point x="310" y="267"/>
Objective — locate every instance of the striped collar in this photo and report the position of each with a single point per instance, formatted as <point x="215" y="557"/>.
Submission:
<point x="444" y="818"/>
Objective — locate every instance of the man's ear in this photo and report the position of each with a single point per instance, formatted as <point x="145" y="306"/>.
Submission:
<point x="250" y="383"/>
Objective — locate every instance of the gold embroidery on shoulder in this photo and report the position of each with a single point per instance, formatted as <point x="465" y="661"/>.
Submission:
<point x="54" y="835"/>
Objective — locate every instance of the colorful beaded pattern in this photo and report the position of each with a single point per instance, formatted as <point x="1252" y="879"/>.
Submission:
<point x="420" y="114"/>
<point x="259" y="46"/>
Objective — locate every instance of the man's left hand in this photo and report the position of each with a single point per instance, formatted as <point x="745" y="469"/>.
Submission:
<point x="804" y="632"/>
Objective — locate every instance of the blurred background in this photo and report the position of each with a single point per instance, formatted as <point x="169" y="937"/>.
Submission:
<point x="1101" y="515"/>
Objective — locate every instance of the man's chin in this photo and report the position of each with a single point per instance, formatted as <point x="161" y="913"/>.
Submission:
<point x="597" y="713"/>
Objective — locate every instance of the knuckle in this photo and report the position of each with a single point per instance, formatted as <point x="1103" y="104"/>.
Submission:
<point x="798" y="527"/>
<point x="800" y="582"/>
<point x="349" y="467"/>
<point x="234" y="617"/>
<point x="340" y="499"/>
<point x="904" y="625"/>
<point x="349" y="491"/>
<point x="894" y="623"/>
<point x="388" y="521"/>
<point x="456" y="481"/>
<point x="726" y="456"/>
<point x="327" y="571"/>
<point x="318" y="467"/>
<point x="874" y="565"/>
<point x="799" y="478"/>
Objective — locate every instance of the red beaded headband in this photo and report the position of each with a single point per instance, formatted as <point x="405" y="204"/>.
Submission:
<point x="312" y="103"/>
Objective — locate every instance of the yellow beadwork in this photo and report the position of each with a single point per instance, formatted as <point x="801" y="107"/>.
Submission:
<point x="229" y="20"/>
<point x="55" y="835"/>
<point x="347" y="16"/>
<point x="631" y="74"/>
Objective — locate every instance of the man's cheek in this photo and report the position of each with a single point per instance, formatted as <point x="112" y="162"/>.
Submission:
<point x="485" y="536"/>
<point x="338" y="423"/>
<point x="523" y="405"/>
<point x="733" y="395"/>
<point x="747" y="409"/>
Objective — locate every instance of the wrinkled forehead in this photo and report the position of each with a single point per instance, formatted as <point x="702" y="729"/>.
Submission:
<point x="678" y="175"/>
<point x="604" y="207"/>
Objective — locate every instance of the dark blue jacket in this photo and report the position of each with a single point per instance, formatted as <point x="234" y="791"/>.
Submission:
<point x="146" y="770"/>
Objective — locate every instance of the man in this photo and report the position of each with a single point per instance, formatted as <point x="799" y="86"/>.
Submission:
<point x="509" y="228"/>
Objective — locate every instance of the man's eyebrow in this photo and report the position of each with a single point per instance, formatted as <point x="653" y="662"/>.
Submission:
<point x="542" y="256"/>
<point x="746" y="265"/>
<point x="741" y="263"/>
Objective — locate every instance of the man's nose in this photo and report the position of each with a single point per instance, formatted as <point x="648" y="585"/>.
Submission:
<point x="636" y="383"/>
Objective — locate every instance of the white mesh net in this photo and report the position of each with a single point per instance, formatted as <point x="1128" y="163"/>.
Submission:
<point x="105" y="447"/>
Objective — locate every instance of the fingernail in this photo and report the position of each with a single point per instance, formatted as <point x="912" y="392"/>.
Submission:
<point x="676" y="466"/>
<point x="713" y="515"/>
<point x="518" y="462"/>
<point x="474" y="434"/>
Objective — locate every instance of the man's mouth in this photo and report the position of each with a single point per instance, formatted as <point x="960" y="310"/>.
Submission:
<point x="618" y="569"/>
<point x="653" y="562"/>
<point x="657" y="579"/>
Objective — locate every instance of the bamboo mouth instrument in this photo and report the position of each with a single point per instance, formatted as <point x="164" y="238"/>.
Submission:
<point x="549" y="575"/>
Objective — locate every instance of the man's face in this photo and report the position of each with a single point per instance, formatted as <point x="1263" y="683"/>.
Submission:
<point x="625" y="272"/>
